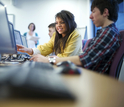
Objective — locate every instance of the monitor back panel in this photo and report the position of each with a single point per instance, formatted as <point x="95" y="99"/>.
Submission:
<point x="6" y="43"/>
<point x="24" y="41"/>
<point x="18" y="37"/>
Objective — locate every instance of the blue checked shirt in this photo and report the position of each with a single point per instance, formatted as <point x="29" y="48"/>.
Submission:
<point x="101" y="49"/>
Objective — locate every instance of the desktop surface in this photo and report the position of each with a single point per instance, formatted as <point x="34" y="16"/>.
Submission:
<point x="91" y="90"/>
<point x="32" y="80"/>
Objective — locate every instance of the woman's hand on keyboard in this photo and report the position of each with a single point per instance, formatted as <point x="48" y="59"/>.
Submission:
<point x="39" y="58"/>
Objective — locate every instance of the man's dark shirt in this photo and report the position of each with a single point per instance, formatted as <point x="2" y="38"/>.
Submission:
<point x="101" y="49"/>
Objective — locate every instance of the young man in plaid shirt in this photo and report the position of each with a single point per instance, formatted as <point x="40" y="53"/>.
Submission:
<point x="102" y="48"/>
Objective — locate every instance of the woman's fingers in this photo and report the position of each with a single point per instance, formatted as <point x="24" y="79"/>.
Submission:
<point x="33" y="57"/>
<point x="21" y="48"/>
<point x="38" y="58"/>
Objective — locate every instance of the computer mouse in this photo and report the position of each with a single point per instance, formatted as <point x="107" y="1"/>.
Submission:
<point x="65" y="63"/>
<point x="67" y="67"/>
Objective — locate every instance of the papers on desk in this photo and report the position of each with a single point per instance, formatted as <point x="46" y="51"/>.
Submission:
<point x="34" y="38"/>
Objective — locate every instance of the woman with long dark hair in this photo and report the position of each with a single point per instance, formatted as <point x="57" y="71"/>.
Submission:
<point x="65" y="42"/>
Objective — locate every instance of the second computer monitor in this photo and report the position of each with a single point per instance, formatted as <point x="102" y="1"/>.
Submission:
<point x="18" y="37"/>
<point x="24" y="40"/>
<point x="13" y="37"/>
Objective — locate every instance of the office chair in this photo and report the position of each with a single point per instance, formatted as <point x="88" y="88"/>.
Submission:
<point x="121" y="74"/>
<point x="83" y="43"/>
<point x="86" y="44"/>
<point x="118" y="59"/>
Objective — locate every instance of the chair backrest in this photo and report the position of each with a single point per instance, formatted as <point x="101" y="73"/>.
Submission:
<point x="118" y="58"/>
<point x="83" y="43"/>
<point x="121" y="74"/>
<point x="86" y="44"/>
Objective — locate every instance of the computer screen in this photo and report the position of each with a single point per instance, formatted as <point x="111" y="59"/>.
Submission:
<point x="18" y="37"/>
<point x="13" y="36"/>
<point x="6" y="43"/>
<point x="24" y="41"/>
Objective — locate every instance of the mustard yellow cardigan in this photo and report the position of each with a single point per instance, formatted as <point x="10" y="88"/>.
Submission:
<point x="73" y="46"/>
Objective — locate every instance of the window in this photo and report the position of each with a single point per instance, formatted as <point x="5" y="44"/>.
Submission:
<point x="120" y="21"/>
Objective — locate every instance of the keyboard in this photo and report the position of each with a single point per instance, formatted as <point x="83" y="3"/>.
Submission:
<point x="32" y="82"/>
<point x="40" y="65"/>
<point x="19" y="57"/>
<point x="10" y="59"/>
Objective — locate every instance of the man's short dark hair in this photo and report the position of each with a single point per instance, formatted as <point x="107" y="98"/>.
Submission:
<point x="51" y="25"/>
<point x="111" y="5"/>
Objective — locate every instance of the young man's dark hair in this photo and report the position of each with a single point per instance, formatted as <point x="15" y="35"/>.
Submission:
<point x="51" y="25"/>
<point x="111" y="5"/>
<point x="51" y="28"/>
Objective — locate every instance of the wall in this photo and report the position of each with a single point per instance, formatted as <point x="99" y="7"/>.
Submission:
<point x="42" y="13"/>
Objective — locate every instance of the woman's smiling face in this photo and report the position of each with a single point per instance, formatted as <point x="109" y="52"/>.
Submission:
<point x="61" y="26"/>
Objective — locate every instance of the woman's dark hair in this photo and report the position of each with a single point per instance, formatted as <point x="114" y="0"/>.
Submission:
<point x="111" y="5"/>
<point x="70" y="23"/>
<point x="33" y="24"/>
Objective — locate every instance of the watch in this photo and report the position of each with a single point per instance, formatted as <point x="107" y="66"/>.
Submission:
<point x="52" y="59"/>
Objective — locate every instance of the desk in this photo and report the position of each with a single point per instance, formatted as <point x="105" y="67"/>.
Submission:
<point x="90" y="88"/>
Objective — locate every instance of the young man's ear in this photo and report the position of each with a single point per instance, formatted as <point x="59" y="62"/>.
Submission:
<point x="106" y="12"/>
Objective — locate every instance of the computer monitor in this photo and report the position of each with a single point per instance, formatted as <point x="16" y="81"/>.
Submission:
<point x="24" y="41"/>
<point x="18" y="37"/>
<point x="6" y="42"/>
<point x="13" y="36"/>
